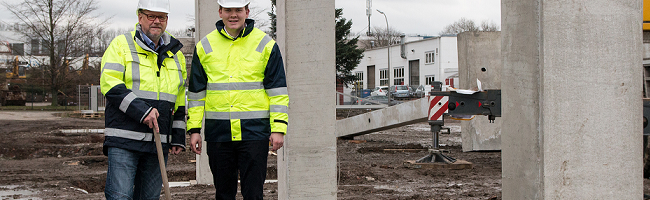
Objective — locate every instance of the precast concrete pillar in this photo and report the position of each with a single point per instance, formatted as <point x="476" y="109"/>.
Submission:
<point x="307" y="162"/>
<point x="479" y="58"/>
<point x="206" y="17"/>
<point x="572" y="99"/>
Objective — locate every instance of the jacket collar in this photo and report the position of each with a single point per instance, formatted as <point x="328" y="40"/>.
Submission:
<point x="170" y="43"/>
<point x="221" y="27"/>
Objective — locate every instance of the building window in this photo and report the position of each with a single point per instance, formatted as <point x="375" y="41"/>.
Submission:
<point x="399" y="76"/>
<point x="430" y="79"/>
<point x="429" y="57"/>
<point x="383" y="77"/>
<point x="359" y="81"/>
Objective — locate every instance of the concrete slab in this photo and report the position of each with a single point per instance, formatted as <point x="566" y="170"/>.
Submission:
<point x="28" y="115"/>
<point x="406" y="113"/>
<point x="343" y="107"/>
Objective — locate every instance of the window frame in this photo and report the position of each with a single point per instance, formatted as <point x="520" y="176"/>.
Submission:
<point x="430" y="57"/>
<point x="398" y="73"/>
<point x="359" y="76"/>
<point x="383" y="77"/>
<point x="428" y="79"/>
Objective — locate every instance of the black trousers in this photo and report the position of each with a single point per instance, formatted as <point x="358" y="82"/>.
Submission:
<point x="246" y="157"/>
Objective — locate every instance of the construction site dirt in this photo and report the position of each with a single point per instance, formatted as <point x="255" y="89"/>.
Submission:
<point x="38" y="161"/>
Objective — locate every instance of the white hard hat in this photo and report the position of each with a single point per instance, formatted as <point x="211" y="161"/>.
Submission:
<point x="233" y="3"/>
<point x="154" y="5"/>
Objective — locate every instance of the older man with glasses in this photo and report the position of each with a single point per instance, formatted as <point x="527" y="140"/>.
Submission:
<point x="143" y="80"/>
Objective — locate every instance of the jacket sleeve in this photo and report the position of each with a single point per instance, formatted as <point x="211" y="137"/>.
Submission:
<point x="275" y="85"/>
<point x="179" y="123"/>
<point x="196" y="92"/>
<point x="113" y="84"/>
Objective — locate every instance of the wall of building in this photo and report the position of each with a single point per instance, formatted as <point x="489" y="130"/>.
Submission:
<point x="187" y="50"/>
<point x="448" y="56"/>
<point x="417" y="51"/>
<point x="445" y="62"/>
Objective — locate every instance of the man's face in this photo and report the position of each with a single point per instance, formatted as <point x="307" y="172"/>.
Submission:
<point x="234" y="18"/>
<point x="153" y="23"/>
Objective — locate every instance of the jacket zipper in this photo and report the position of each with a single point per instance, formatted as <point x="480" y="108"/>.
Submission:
<point x="157" y="76"/>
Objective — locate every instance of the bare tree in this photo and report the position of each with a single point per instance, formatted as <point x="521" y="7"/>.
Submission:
<point x="259" y="15"/>
<point x="489" y="26"/>
<point x="188" y="31"/>
<point x="380" y="37"/>
<point x="62" y="25"/>
<point x="104" y="37"/>
<point x="3" y="26"/>
<point x="464" y="24"/>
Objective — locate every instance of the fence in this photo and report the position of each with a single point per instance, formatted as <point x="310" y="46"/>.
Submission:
<point x="90" y="97"/>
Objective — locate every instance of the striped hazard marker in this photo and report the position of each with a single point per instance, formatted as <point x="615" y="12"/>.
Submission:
<point x="437" y="107"/>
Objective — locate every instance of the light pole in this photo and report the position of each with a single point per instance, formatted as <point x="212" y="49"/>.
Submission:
<point x="387" y="47"/>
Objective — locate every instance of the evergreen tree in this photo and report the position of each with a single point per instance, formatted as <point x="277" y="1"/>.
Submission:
<point x="348" y="55"/>
<point x="272" y="15"/>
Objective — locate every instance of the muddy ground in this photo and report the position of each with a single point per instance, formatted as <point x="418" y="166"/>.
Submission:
<point x="38" y="162"/>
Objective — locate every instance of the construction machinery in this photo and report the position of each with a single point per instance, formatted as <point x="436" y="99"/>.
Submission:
<point x="457" y="104"/>
<point x="11" y="93"/>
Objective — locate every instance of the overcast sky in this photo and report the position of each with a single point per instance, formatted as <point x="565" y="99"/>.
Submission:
<point x="424" y="17"/>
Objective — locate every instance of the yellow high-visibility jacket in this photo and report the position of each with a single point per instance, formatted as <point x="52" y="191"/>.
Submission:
<point x="135" y="79"/>
<point x="238" y="85"/>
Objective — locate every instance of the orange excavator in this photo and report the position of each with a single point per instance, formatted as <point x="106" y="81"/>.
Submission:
<point x="10" y="93"/>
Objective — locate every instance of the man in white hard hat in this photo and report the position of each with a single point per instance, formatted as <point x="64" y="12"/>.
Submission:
<point x="238" y="84"/>
<point x="143" y="80"/>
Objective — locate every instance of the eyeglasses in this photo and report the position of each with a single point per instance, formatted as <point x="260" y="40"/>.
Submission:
<point x="153" y="17"/>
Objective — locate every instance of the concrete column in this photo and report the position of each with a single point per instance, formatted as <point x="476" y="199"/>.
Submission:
<point x="479" y="57"/>
<point x="572" y="104"/>
<point x="206" y="16"/>
<point x="307" y="162"/>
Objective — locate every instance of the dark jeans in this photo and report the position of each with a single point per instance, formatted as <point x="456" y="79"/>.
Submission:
<point x="132" y="175"/>
<point x="247" y="157"/>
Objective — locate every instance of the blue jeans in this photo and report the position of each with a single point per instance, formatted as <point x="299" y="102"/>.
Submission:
<point x="132" y="175"/>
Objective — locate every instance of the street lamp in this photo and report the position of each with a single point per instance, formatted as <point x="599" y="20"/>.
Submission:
<point x="387" y="47"/>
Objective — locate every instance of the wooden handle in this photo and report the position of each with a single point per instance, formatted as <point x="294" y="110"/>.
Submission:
<point x="161" y="162"/>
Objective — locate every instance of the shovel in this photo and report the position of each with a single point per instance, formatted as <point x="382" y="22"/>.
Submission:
<point x="161" y="162"/>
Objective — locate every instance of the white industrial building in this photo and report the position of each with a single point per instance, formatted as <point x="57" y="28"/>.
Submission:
<point x="417" y="62"/>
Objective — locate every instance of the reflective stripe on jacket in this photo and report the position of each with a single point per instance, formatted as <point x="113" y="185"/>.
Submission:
<point x="135" y="79"/>
<point x="238" y="85"/>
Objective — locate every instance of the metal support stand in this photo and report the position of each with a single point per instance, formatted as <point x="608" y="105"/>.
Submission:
<point x="435" y="153"/>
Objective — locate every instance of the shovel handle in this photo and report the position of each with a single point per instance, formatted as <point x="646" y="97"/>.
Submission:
<point x="161" y="162"/>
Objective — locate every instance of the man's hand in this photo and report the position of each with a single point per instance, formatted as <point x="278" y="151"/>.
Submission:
<point x="176" y="150"/>
<point x="277" y="139"/>
<point x="195" y="143"/>
<point x="152" y="119"/>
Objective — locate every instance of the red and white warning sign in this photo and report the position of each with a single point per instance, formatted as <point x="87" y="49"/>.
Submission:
<point x="438" y="105"/>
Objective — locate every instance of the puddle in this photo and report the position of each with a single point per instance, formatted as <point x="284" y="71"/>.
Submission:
<point x="16" y="192"/>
